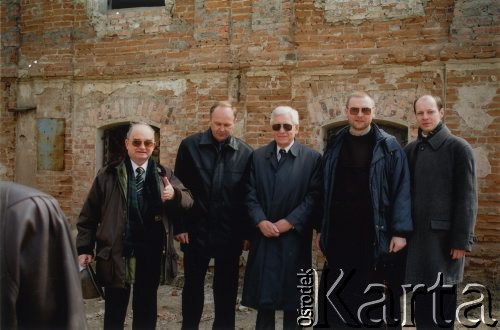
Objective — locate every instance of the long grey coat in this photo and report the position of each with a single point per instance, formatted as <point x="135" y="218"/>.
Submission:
<point x="444" y="203"/>
<point x="290" y="190"/>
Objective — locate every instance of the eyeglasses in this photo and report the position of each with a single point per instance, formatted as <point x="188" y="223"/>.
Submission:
<point x="147" y="143"/>
<point x="286" y="127"/>
<point x="354" y="111"/>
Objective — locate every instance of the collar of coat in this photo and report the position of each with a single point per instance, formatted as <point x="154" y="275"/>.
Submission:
<point x="206" y="138"/>
<point x="120" y="169"/>
<point x="438" y="139"/>
<point x="388" y="141"/>
<point x="272" y="147"/>
<point x="16" y="193"/>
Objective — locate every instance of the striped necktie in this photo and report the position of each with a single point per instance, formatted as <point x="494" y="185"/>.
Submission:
<point x="139" y="184"/>
<point x="281" y="154"/>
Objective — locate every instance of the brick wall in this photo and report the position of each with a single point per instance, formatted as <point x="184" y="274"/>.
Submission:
<point x="97" y="68"/>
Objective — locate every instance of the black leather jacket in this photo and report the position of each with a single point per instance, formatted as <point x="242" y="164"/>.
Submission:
<point x="218" y="220"/>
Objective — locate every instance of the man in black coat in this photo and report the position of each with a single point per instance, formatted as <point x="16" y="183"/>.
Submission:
<point x="444" y="199"/>
<point x="212" y="164"/>
<point x="283" y="194"/>
<point x="366" y="219"/>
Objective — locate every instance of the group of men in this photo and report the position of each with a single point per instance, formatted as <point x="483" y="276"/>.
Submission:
<point x="377" y="210"/>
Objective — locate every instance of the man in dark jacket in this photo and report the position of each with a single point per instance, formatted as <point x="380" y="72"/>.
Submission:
<point x="367" y="215"/>
<point x="40" y="284"/>
<point x="125" y="214"/>
<point x="444" y="199"/>
<point x="283" y="194"/>
<point x="212" y="164"/>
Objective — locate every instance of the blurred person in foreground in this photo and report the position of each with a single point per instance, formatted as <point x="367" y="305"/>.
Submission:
<point x="40" y="284"/>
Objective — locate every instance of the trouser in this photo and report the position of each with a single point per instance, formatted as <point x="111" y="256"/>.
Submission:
<point x="348" y="307"/>
<point x="225" y="289"/>
<point x="145" y="288"/>
<point x="144" y="303"/>
<point x="266" y="320"/>
<point x="443" y="306"/>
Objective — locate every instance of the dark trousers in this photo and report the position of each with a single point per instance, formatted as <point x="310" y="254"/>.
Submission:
<point x="225" y="289"/>
<point x="348" y="297"/>
<point x="445" y="307"/>
<point x="144" y="296"/>
<point x="266" y="320"/>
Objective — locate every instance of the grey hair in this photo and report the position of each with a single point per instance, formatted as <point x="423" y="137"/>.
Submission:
<point x="134" y="125"/>
<point x="285" y="110"/>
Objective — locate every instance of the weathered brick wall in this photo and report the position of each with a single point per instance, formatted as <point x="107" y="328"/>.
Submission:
<point x="97" y="68"/>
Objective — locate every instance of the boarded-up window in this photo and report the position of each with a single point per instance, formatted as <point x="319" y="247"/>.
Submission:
<point x="50" y="144"/>
<point x="118" y="4"/>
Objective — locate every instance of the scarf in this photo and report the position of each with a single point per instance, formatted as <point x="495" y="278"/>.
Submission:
<point x="137" y="218"/>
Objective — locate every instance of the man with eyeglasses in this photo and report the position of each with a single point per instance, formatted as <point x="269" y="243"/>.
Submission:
<point x="124" y="219"/>
<point x="444" y="196"/>
<point x="213" y="165"/>
<point x="284" y="193"/>
<point x="366" y="218"/>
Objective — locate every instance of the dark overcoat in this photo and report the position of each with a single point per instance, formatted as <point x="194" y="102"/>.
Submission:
<point x="216" y="223"/>
<point x="290" y="189"/>
<point x="102" y="221"/>
<point x="443" y="188"/>
<point x="389" y="192"/>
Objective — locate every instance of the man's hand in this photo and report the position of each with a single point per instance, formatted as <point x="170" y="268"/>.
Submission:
<point x="283" y="225"/>
<point x="168" y="192"/>
<point x="457" y="253"/>
<point x="84" y="260"/>
<point x="182" y="238"/>
<point x="397" y="243"/>
<point x="316" y="241"/>
<point x="268" y="229"/>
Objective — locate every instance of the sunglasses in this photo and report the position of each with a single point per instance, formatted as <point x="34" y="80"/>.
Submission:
<point x="354" y="111"/>
<point x="286" y="127"/>
<point x="147" y="143"/>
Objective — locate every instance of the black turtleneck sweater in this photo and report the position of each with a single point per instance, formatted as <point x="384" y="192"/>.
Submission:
<point x="352" y="234"/>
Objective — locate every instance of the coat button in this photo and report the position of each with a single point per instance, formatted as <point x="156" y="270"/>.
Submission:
<point x="422" y="148"/>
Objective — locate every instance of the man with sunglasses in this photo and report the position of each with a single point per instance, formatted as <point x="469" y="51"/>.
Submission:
<point x="213" y="165"/>
<point x="367" y="215"/>
<point x="124" y="219"/>
<point x="283" y="194"/>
